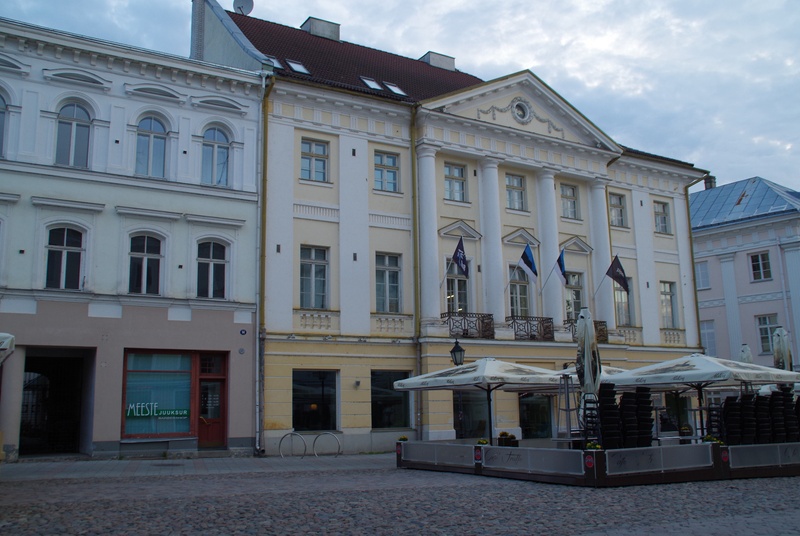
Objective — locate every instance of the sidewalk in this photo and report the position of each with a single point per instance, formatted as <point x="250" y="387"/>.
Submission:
<point x="79" y="469"/>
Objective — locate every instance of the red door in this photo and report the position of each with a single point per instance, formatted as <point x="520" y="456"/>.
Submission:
<point x="211" y="425"/>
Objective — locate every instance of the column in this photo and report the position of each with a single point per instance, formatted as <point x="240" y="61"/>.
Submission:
<point x="492" y="248"/>
<point x="13" y="381"/>
<point x="601" y="254"/>
<point x="728" y="267"/>
<point x="547" y="201"/>
<point x="430" y="272"/>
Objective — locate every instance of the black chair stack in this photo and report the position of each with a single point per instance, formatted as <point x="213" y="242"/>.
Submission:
<point x="732" y="421"/>
<point x="644" y="417"/>
<point x="714" y="421"/>
<point x="776" y="414"/>
<point x="763" y="421"/>
<point x="610" y="428"/>
<point x="748" y="405"/>
<point x="789" y="416"/>
<point x="629" y="420"/>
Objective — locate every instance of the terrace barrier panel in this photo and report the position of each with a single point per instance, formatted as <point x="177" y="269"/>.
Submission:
<point x="556" y="461"/>
<point x="438" y="454"/>
<point x="658" y="459"/>
<point x="773" y="454"/>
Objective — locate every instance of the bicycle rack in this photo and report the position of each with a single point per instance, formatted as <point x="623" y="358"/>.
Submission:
<point x="305" y="445"/>
<point x="314" y="445"/>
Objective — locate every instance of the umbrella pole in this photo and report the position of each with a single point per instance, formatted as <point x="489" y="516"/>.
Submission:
<point x="489" y="420"/>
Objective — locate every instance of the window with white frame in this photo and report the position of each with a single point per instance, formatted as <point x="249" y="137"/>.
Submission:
<point x="72" y="141"/>
<point x="661" y="212"/>
<point x="145" y="265"/>
<point x="64" y="258"/>
<point x="3" y="114"/>
<point x="708" y="337"/>
<point x="457" y="296"/>
<point x="216" y="149"/>
<point x="515" y="192"/>
<point x="314" y="160"/>
<point x="623" y="304"/>
<point x="618" y="216"/>
<point x="455" y="182"/>
<point x="569" y="201"/>
<point x="669" y="305"/>
<point x="212" y="263"/>
<point x="760" y="268"/>
<point x="574" y="295"/>
<point x="387" y="172"/>
<point x="151" y="148"/>
<point x="519" y="292"/>
<point x="313" y="277"/>
<point x="767" y="324"/>
<point x="387" y="283"/>
<point x="701" y="275"/>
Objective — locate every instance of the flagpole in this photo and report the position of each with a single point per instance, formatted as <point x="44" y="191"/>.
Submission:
<point x="599" y="287"/>
<point x="546" y="280"/>
<point x="447" y="269"/>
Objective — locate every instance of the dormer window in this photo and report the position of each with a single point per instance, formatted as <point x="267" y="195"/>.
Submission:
<point x="394" y="88"/>
<point x="297" y="67"/>
<point x="372" y="84"/>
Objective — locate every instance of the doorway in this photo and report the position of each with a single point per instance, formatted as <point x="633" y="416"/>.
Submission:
<point x="212" y="425"/>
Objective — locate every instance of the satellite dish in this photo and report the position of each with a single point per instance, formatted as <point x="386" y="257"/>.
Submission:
<point x="243" y="7"/>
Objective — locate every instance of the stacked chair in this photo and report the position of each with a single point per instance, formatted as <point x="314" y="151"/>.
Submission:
<point x="763" y="421"/>
<point x="644" y="417"/>
<point x="609" y="413"/>
<point x="732" y="421"/>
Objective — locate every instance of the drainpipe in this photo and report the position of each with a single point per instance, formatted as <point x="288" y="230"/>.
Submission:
<point x="415" y="241"/>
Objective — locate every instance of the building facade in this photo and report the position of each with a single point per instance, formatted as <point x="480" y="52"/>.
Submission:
<point x="128" y="248"/>
<point x="747" y="257"/>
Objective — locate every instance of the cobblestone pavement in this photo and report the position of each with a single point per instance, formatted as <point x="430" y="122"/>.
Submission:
<point x="366" y="495"/>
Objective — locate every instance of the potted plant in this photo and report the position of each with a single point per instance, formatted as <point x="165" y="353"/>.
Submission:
<point x="402" y="438"/>
<point x="593" y="445"/>
<point x="502" y="439"/>
<point x="483" y="441"/>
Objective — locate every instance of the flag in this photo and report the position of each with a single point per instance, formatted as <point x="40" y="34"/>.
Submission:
<point x="617" y="273"/>
<point x="460" y="258"/>
<point x="527" y="264"/>
<point x="561" y="269"/>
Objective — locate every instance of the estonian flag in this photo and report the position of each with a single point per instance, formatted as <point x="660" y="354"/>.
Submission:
<point x="527" y="264"/>
<point x="617" y="273"/>
<point x="561" y="269"/>
<point x="460" y="258"/>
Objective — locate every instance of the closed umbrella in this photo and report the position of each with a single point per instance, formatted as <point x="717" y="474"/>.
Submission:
<point x="745" y="355"/>
<point x="588" y="363"/>
<point x="781" y="353"/>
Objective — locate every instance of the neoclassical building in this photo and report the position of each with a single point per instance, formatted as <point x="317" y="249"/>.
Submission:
<point x="128" y="248"/>
<point x="377" y="167"/>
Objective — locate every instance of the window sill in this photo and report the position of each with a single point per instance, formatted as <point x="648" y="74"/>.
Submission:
<point x="518" y="212"/>
<point x="309" y="182"/>
<point x="465" y="204"/>
<point x="571" y="220"/>
<point x="666" y="235"/>
<point x="389" y="193"/>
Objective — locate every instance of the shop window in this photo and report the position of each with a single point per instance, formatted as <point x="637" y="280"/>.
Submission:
<point x="390" y="408"/>
<point x="314" y="400"/>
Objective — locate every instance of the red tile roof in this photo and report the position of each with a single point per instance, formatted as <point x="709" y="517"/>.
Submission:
<point x="341" y="64"/>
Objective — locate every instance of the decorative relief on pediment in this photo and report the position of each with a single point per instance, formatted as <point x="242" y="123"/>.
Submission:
<point x="523" y="113"/>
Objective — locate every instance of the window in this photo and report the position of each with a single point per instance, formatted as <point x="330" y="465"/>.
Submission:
<point x="574" y="295"/>
<point x="515" y="192"/>
<point x="387" y="283"/>
<point x="394" y="88"/>
<point x="470" y="414"/>
<point x="519" y="291"/>
<point x="661" y="211"/>
<point x="145" y="265"/>
<point x="669" y="306"/>
<point x="72" y="142"/>
<point x="371" y="83"/>
<point x="701" y="275"/>
<point x="456" y="289"/>
<point x="455" y="182"/>
<point x="211" y="263"/>
<point x="535" y="416"/>
<point x="569" y="201"/>
<point x="708" y="338"/>
<point x="2" y="126"/>
<point x="215" y="157"/>
<point x="313" y="278"/>
<point x="64" y="258"/>
<point x="297" y="67"/>
<point x="314" y="400"/>
<point x="623" y="304"/>
<point x="387" y="172"/>
<point x="390" y="408"/>
<point x="759" y="264"/>
<point x="157" y="394"/>
<point x="617" y="213"/>
<point x="767" y="324"/>
<point x="314" y="160"/>
<point x="151" y="148"/>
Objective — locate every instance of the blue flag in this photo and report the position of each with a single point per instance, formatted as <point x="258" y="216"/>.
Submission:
<point x="527" y="263"/>
<point x="460" y="258"/>
<point x="561" y="269"/>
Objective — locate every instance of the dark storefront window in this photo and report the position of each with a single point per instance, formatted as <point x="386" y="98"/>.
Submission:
<point x="390" y="408"/>
<point x="314" y="400"/>
<point x="535" y="416"/>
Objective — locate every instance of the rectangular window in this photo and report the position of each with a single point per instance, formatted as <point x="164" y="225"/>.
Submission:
<point x="314" y="400"/>
<point x="669" y="308"/>
<point x="470" y="414"/>
<point x="145" y="257"/>
<point x="390" y="408"/>
<point x="701" y="275"/>
<point x="211" y="268"/>
<point x="314" y="160"/>
<point x="574" y="295"/>
<point x="387" y="172"/>
<point x="456" y="289"/>
<point x="617" y="213"/>
<point x="759" y="264"/>
<point x="569" y="201"/>
<point x="157" y="394"/>
<point x="313" y="278"/>
<point x="64" y="253"/>
<point x="515" y="192"/>
<point x="535" y="413"/>
<point x="661" y="211"/>
<point x="623" y="304"/>
<point x="767" y="324"/>
<point x="708" y="338"/>
<point x="455" y="182"/>
<point x="519" y="291"/>
<point x="387" y="283"/>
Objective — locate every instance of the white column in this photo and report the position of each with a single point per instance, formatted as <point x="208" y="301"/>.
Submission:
<point x="11" y="402"/>
<point x="601" y="254"/>
<point x="547" y="201"/>
<point x="430" y="272"/>
<point x="728" y="267"/>
<point x="791" y="254"/>
<point x="492" y="247"/>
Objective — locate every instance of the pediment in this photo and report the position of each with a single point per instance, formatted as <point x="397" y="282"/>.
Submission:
<point x="10" y="65"/>
<point x="460" y="229"/>
<point x="576" y="245"/>
<point x="220" y="104"/>
<point x="521" y="237"/>
<point x="155" y="91"/>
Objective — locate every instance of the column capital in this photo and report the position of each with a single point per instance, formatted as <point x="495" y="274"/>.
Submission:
<point x="426" y="149"/>
<point x="727" y="257"/>
<point x="489" y="162"/>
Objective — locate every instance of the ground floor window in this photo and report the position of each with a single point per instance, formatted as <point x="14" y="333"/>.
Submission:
<point x="158" y="394"/>
<point x="314" y="400"/>
<point x="470" y="414"/>
<point x="390" y="408"/>
<point x="535" y="416"/>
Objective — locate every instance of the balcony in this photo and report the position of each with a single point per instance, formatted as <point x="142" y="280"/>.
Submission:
<point x="470" y="325"/>
<point x="600" y="330"/>
<point x="532" y="328"/>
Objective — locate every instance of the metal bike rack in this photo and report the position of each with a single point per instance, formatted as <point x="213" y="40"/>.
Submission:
<point x="314" y="445"/>
<point x="305" y="445"/>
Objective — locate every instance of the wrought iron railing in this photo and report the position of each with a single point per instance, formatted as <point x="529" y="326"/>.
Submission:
<point x="470" y="325"/>
<point x="532" y="328"/>
<point x="600" y="329"/>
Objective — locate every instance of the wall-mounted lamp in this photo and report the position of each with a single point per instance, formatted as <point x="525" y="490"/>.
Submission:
<point x="358" y="383"/>
<point x="327" y="338"/>
<point x="457" y="354"/>
<point x="292" y="337"/>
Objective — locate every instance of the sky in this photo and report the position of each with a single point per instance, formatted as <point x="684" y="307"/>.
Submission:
<point x="710" y="82"/>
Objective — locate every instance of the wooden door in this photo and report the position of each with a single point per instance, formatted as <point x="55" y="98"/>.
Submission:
<point x="211" y="426"/>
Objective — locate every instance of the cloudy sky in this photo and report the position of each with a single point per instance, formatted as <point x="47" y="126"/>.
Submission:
<point x="714" y="83"/>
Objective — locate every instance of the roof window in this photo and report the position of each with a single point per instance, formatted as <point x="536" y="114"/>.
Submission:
<point x="372" y="84"/>
<point x="297" y="67"/>
<point x="394" y="88"/>
<point x="275" y="62"/>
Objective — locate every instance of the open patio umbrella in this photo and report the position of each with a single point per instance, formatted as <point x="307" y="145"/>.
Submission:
<point x="487" y="374"/>
<point x="781" y="352"/>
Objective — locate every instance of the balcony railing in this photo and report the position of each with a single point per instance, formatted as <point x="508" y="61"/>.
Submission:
<point x="470" y="325"/>
<point x="532" y="328"/>
<point x="600" y="329"/>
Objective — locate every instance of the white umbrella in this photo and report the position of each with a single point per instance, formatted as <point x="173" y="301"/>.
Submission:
<point x="745" y="355"/>
<point x="781" y="352"/>
<point x="588" y="363"/>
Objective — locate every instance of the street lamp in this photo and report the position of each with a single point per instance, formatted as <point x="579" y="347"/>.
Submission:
<point x="457" y="354"/>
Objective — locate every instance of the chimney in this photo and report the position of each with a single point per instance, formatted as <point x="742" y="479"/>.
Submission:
<point x="198" y="27"/>
<point x="321" y="28"/>
<point x="710" y="182"/>
<point x="434" y="59"/>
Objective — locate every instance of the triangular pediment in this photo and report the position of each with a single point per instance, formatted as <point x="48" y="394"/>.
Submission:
<point x="460" y="229"/>
<point x="576" y="245"/>
<point x="521" y="237"/>
<point x="525" y="106"/>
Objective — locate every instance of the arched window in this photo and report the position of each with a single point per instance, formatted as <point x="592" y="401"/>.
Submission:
<point x="145" y="273"/>
<point x="72" y="143"/>
<point x="64" y="258"/>
<point x="211" y="262"/>
<point x="215" y="157"/>
<point x="151" y="147"/>
<point x="2" y="126"/>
